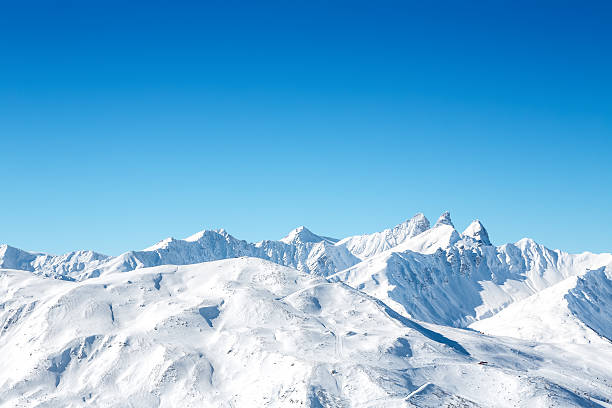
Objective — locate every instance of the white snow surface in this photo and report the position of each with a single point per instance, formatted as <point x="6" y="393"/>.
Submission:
<point x="247" y="332"/>
<point x="477" y="232"/>
<point x="442" y="278"/>
<point x="377" y="320"/>
<point x="575" y="310"/>
<point x="364" y="246"/>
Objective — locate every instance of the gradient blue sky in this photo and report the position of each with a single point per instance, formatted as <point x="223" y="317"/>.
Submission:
<point x="122" y="124"/>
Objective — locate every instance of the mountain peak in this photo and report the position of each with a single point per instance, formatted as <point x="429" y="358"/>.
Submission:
<point x="161" y="244"/>
<point x="198" y="235"/>
<point x="478" y="232"/>
<point x="420" y="220"/>
<point x="415" y="225"/>
<point x="445" y="219"/>
<point x="301" y="234"/>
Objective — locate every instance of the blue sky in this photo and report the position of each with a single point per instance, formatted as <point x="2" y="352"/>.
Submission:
<point x="124" y="124"/>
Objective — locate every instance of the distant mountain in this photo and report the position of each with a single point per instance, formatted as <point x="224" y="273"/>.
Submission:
<point x="444" y="277"/>
<point x="62" y="266"/>
<point x="300" y="249"/>
<point x="432" y="274"/>
<point x="365" y="246"/>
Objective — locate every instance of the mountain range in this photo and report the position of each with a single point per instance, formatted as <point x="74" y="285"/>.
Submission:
<point x="416" y="315"/>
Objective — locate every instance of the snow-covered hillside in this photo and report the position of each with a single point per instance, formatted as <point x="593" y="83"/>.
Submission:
<point x="247" y="332"/>
<point x="376" y="320"/>
<point x="575" y="310"/>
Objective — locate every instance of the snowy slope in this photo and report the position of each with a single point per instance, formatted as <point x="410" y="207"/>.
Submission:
<point x="364" y="246"/>
<point x="575" y="310"/>
<point x="444" y="277"/>
<point x="247" y="332"/>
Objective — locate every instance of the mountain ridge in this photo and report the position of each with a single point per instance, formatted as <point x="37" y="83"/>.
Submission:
<point x="434" y="274"/>
<point x="411" y="316"/>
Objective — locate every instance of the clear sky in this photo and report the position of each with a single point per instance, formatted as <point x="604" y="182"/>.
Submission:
<point x="122" y="124"/>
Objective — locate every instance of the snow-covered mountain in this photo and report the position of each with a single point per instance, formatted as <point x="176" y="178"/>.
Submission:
<point x="62" y="266"/>
<point x="444" y="277"/>
<point x="247" y="332"/>
<point x="575" y="310"/>
<point x="432" y="274"/>
<point x="371" y="320"/>
<point x="364" y="246"/>
<point x="300" y="249"/>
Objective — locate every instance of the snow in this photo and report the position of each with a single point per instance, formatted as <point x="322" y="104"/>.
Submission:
<point x="302" y="235"/>
<point x="63" y="266"/>
<point x="364" y="246"/>
<point x="439" y="277"/>
<point x="575" y="310"/>
<point x="248" y="332"/>
<point x="445" y="219"/>
<point x="390" y="319"/>
<point x="477" y="232"/>
<point x="303" y="250"/>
